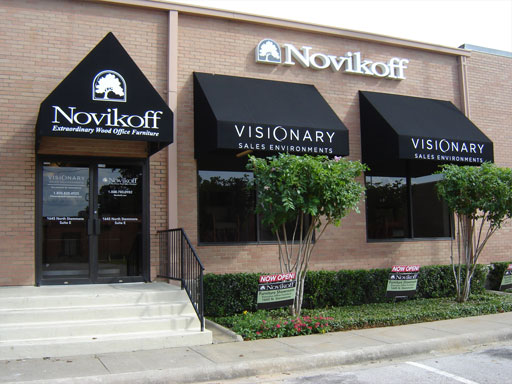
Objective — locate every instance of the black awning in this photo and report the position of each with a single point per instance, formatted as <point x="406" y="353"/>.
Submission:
<point x="107" y="97"/>
<point x="403" y="127"/>
<point x="238" y="114"/>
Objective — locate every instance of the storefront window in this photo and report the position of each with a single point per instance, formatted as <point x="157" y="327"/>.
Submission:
<point x="405" y="206"/>
<point x="431" y="217"/>
<point x="387" y="207"/>
<point x="226" y="207"/>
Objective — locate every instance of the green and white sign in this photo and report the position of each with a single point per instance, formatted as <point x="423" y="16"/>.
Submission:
<point x="403" y="281"/>
<point x="506" y="282"/>
<point x="276" y="291"/>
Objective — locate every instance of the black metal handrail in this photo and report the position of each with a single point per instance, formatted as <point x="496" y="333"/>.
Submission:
<point x="179" y="261"/>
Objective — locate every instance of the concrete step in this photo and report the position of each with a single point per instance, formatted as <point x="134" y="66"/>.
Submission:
<point x="49" y="297"/>
<point x="24" y="331"/>
<point x="86" y="345"/>
<point x="71" y="320"/>
<point x="40" y="315"/>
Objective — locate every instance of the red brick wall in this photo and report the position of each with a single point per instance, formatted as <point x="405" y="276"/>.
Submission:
<point x="227" y="47"/>
<point x="490" y="102"/>
<point x="41" y="42"/>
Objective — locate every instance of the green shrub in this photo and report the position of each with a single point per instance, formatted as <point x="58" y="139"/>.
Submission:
<point x="479" y="279"/>
<point x="319" y="289"/>
<point x="496" y="274"/>
<point x="352" y="287"/>
<point x="346" y="287"/>
<point x="435" y="281"/>
<point x="230" y="293"/>
<point x="234" y="293"/>
<point x="375" y="284"/>
<point x="438" y="281"/>
<point x="278" y="323"/>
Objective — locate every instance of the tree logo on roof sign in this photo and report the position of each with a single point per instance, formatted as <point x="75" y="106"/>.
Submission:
<point x="109" y="85"/>
<point x="268" y="51"/>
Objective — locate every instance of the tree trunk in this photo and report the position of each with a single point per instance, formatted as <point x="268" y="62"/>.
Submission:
<point x="465" y="239"/>
<point x="299" y="295"/>
<point x="295" y="258"/>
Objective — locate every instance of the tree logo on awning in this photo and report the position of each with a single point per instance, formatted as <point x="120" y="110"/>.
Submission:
<point x="109" y="85"/>
<point x="92" y="102"/>
<point x="268" y="51"/>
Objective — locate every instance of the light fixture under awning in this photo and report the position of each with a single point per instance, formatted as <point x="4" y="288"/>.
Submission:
<point x="404" y="127"/>
<point x="237" y="114"/>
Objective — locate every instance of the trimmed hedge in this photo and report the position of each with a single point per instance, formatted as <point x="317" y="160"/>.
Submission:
<point x="346" y="287"/>
<point x="234" y="293"/>
<point x="230" y="293"/>
<point x="356" y="287"/>
<point x="438" y="281"/>
<point x="496" y="275"/>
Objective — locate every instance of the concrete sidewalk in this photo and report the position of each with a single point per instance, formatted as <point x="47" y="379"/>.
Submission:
<point x="228" y="360"/>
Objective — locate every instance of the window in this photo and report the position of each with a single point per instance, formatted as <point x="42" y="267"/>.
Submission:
<point x="226" y="204"/>
<point x="226" y="207"/>
<point x="402" y="202"/>
<point x="386" y="200"/>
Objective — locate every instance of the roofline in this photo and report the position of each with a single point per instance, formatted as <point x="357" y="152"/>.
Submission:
<point x="490" y="51"/>
<point x="289" y="24"/>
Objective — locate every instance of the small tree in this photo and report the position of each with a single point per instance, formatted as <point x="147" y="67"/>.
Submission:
<point x="305" y="193"/>
<point x="481" y="199"/>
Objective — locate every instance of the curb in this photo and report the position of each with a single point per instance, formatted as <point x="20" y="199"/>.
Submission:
<point x="226" y="371"/>
<point x="499" y="292"/>
<point x="227" y="332"/>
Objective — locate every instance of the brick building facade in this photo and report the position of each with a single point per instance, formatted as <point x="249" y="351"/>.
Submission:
<point x="42" y="41"/>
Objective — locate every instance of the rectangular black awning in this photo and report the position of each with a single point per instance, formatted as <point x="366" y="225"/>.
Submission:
<point x="395" y="127"/>
<point x="237" y="114"/>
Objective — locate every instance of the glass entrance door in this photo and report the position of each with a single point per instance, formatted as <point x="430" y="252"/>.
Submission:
<point x="92" y="222"/>
<point x="66" y="215"/>
<point x="120" y="220"/>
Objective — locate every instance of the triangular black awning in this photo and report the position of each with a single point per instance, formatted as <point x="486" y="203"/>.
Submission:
<point x="403" y="127"/>
<point x="238" y="114"/>
<point x="107" y="97"/>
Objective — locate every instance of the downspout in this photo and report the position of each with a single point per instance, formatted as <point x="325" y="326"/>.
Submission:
<point x="172" y="100"/>
<point x="464" y="89"/>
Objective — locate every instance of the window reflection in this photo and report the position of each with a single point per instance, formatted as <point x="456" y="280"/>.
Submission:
<point x="387" y="207"/>
<point x="430" y="214"/>
<point x="65" y="249"/>
<point x="120" y="213"/>
<point x="226" y="210"/>
<point x="65" y="191"/>
<point x="120" y="190"/>
<point x="226" y="207"/>
<point x="405" y="206"/>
